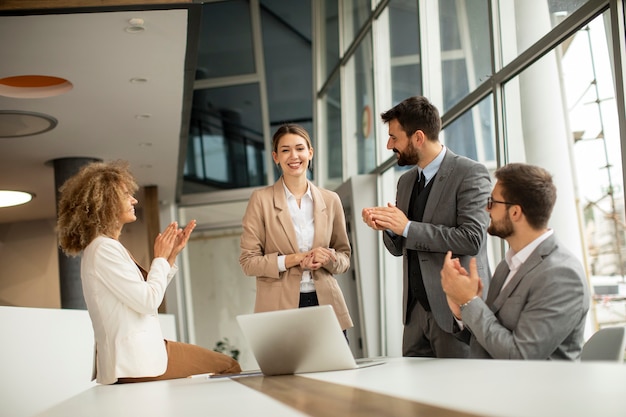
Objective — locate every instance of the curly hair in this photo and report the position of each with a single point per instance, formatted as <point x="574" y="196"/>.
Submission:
<point x="90" y="204"/>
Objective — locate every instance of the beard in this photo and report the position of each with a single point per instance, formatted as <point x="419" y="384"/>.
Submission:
<point x="409" y="157"/>
<point x="501" y="229"/>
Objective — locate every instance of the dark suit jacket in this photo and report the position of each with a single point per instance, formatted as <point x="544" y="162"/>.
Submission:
<point x="268" y="231"/>
<point x="455" y="219"/>
<point x="540" y="313"/>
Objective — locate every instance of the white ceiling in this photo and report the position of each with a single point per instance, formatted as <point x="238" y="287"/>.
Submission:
<point x="98" y="118"/>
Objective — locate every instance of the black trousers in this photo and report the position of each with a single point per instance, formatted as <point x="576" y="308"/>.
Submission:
<point x="309" y="299"/>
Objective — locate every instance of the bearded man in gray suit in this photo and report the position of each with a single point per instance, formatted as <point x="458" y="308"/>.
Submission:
<point x="439" y="207"/>
<point x="538" y="298"/>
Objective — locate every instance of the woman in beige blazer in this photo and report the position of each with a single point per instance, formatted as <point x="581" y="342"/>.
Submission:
<point x="123" y="298"/>
<point x="294" y="236"/>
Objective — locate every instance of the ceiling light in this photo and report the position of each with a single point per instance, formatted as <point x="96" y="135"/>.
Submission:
<point x="17" y="123"/>
<point x="14" y="198"/>
<point x="34" y="86"/>
<point x="136" y="25"/>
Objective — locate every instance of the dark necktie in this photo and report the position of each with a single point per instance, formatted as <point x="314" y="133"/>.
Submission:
<point x="422" y="182"/>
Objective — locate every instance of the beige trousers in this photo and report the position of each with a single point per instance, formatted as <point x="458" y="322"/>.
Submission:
<point x="184" y="359"/>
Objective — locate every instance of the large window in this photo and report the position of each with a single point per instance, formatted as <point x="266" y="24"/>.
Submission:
<point x="254" y="73"/>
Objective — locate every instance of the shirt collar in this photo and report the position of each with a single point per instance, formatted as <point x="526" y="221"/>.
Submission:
<point x="289" y="195"/>
<point x="431" y="169"/>
<point x="515" y="260"/>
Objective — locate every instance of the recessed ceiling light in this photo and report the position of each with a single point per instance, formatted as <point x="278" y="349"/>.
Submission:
<point x="14" y="198"/>
<point x="136" y="25"/>
<point x="17" y="123"/>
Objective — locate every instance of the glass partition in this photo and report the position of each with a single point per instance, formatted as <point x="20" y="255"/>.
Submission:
<point x="332" y="108"/>
<point x="225" y="44"/>
<point x="473" y="134"/>
<point x="226" y="147"/>
<point x="363" y="107"/>
<point x="532" y="19"/>
<point x="355" y="14"/>
<point x="465" y="50"/>
<point x="329" y="36"/>
<point x="593" y="120"/>
<point x="288" y="61"/>
<point x="404" y="48"/>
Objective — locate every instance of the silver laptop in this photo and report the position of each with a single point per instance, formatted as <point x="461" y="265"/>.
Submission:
<point x="297" y="341"/>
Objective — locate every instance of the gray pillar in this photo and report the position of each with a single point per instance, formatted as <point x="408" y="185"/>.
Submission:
<point x="69" y="267"/>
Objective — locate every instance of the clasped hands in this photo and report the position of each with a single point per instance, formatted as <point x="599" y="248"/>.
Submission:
<point x="172" y="240"/>
<point x="459" y="285"/>
<point x="382" y="218"/>
<point x="318" y="258"/>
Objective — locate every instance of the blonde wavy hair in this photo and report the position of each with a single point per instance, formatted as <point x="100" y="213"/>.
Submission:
<point x="90" y="204"/>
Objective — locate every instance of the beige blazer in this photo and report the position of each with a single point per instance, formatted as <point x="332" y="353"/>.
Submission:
<point x="268" y="232"/>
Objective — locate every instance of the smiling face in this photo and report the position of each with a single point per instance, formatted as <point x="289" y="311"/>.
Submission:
<point x="293" y="154"/>
<point x="127" y="213"/>
<point x="402" y="145"/>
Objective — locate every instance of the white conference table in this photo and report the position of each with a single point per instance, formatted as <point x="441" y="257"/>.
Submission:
<point x="398" y="387"/>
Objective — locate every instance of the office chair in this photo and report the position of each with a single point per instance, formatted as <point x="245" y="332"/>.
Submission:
<point x="606" y="344"/>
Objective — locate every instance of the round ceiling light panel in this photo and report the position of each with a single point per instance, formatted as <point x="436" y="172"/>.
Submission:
<point x="15" y="123"/>
<point x="34" y="86"/>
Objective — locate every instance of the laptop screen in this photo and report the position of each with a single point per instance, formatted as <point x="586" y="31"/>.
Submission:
<point x="297" y="340"/>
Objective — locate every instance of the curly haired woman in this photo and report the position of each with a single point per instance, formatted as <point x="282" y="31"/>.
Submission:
<point x="121" y="296"/>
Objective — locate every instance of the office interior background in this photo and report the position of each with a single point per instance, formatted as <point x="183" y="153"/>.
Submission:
<point x="536" y="81"/>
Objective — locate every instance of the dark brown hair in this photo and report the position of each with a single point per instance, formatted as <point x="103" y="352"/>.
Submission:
<point x="413" y="114"/>
<point x="532" y="188"/>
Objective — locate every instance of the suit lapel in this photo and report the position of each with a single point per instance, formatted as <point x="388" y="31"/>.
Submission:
<point x="535" y="258"/>
<point x="320" y="218"/>
<point x="283" y="215"/>
<point x="439" y="185"/>
<point x="499" y="276"/>
<point x="406" y="189"/>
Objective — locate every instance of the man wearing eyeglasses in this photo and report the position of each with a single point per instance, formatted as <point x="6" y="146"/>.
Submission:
<point x="538" y="298"/>
<point x="439" y="207"/>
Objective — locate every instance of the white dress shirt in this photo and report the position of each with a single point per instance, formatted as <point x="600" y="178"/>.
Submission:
<point x="516" y="260"/>
<point x="302" y="218"/>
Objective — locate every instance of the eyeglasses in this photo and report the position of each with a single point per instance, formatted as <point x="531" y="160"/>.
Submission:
<point x="491" y="202"/>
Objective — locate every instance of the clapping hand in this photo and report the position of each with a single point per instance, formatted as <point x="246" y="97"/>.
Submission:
<point x="381" y="218"/>
<point x="459" y="285"/>
<point x="169" y="243"/>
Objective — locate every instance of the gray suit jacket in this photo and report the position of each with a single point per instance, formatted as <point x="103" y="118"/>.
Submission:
<point x="541" y="312"/>
<point x="455" y="219"/>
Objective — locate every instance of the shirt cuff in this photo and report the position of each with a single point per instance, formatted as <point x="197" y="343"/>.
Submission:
<point x="405" y="233"/>
<point x="281" y="263"/>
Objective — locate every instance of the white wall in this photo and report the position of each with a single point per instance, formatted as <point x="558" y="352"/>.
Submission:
<point x="46" y="356"/>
